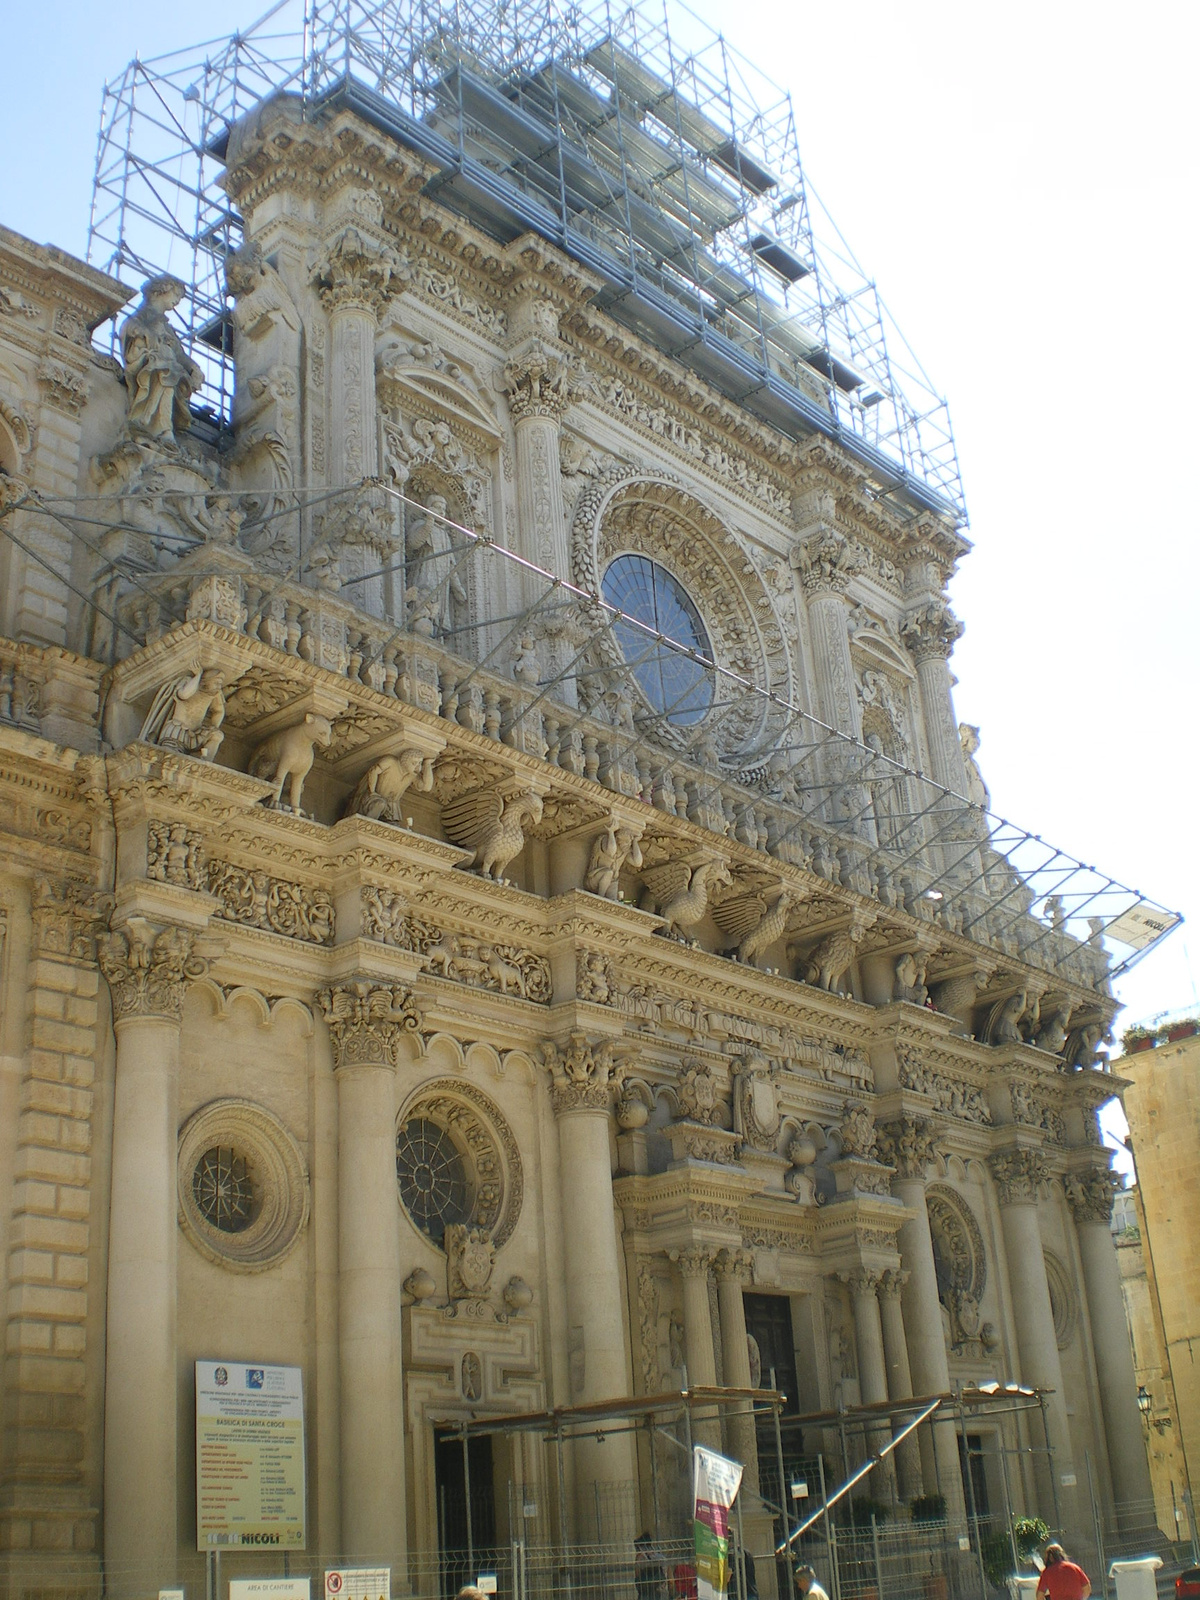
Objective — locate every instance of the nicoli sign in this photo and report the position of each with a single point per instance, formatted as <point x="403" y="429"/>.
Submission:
<point x="250" y="1488"/>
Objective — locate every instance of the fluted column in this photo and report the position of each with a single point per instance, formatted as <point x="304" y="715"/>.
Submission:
<point x="908" y="1145"/>
<point x="583" y="1079"/>
<point x="147" y="969"/>
<point x="872" y="1366"/>
<point x="733" y="1269"/>
<point x="930" y="632"/>
<point x="826" y="561"/>
<point x="366" y="1021"/>
<point x="1090" y="1196"/>
<point x="1018" y="1176"/>
<point x="899" y="1375"/>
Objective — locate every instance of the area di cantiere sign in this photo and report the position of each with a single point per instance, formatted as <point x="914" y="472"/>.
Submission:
<point x="250" y="1487"/>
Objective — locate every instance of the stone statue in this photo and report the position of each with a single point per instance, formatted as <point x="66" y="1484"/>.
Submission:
<point x="613" y="850"/>
<point x="187" y="713"/>
<point x="910" y="979"/>
<point x="288" y="756"/>
<point x="1003" y="1023"/>
<point x="434" y="585"/>
<point x="1052" y="1035"/>
<point x="384" y="784"/>
<point x="492" y="826"/>
<point x="160" y="376"/>
<point x="977" y="791"/>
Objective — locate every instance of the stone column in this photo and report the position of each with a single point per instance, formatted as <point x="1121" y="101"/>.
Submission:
<point x="147" y="970"/>
<point x="583" y="1079"/>
<point x="733" y="1274"/>
<point x="367" y="1020"/>
<point x="899" y="1376"/>
<point x="1089" y="1195"/>
<point x="907" y="1145"/>
<point x="930" y="633"/>
<point x="826" y="561"/>
<point x="1018" y="1176"/>
<point x="872" y="1366"/>
<point x="695" y="1264"/>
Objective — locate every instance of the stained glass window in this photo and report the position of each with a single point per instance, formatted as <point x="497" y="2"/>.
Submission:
<point x="676" y="686"/>
<point x="433" y="1177"/>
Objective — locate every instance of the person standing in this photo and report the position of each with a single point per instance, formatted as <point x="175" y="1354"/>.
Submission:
<point x="1062" y="1579"/>
<point x="807" y="1585"/>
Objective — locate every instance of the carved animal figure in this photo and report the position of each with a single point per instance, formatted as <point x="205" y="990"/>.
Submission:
<point x="682" y="892"/>
<point x="442" y="954"/>
<point x="505" y="973"/>
<point x="833" y="957"/>
<point x="492" y="827"/>
<point x="288" y="756"/>
<point x="383" y="785"/>
<point x="754" y="922"/>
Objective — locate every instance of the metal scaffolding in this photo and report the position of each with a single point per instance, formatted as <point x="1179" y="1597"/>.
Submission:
<point x="643" y="146"/>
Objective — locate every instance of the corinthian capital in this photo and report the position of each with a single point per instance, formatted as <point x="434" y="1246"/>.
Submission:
<point x="148" y="969"/>
<point x="583" y="1076"/>
<point x="908" y="1145"/>
<point x="931" y="631"/>
<point x="537" y="380"/>
<point x="66" y="918"/>
<point x="1018" y="1174"/>
<point x="1090" y="1195"/>
<point x="891" y="1283"/>
<point x="826" y="561"/>
<point x="357" y="273"/>
<point x="696" y="1261"/>
<point x="367" y="1020"/>
<point x="863" y="1280"/>
<point x="736" y="1266"/>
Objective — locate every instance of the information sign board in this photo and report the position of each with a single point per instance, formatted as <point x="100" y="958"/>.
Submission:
<point x="250" y="1488"/>
<point x="358" y="1583"/>
<point x="269" y="1589"/>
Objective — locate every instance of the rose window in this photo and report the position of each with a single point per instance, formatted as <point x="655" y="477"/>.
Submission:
<point x="434" y="1183"/>
<point x="223" y="1190"/>
<point x="677" y="685"/>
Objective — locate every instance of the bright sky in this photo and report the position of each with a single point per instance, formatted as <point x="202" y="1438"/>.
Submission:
<point x="1020" y="181"/>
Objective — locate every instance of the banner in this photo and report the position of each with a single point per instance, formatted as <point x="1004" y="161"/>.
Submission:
<point x="716" y="1481"/>
<point x="250" y="1486"/>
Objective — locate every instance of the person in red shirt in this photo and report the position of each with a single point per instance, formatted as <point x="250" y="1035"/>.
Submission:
<point x="1062" y="1579"/>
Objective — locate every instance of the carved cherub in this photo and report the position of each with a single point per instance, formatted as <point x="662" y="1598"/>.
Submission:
<point x="187" y="713"/>
<point x="288" y="756"/>
<point x="384" y="784"/>
<point x="613" y="850"/>
<point x="492" y="827"/>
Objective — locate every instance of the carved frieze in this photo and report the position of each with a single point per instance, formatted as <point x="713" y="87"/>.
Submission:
<point x="257" y="900"/>
<point x="175" y="854"/>
<point x="952" y="1096"/>
<point x="595" y="977"/>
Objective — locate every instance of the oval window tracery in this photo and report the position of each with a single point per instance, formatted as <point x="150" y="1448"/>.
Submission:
<point x="224" y="1189"/>
<point x="457" y="1162"/>
<point x="678" y="687"/>
<point x="434" y="1182"/>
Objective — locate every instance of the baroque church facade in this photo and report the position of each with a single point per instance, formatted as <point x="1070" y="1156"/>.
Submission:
<point x="412" y="977"/>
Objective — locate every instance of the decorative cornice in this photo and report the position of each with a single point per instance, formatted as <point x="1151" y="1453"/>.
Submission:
<point x="1018" y="1175"/>
<point x="148" y="969"/>
<point x="367" y="1020"/>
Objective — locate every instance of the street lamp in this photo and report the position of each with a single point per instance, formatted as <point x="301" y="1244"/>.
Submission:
<point x="1143" y="1400"/>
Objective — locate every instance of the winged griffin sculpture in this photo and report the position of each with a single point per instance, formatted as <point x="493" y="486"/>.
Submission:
<point x="679" y="890"/>
<point x="831" y="959"/>
<point x="754" y="920"/>
<point x="493" y="826"/>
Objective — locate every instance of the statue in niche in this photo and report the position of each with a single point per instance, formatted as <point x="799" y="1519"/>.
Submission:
<point x="434" y="586"/>
<point x="187" y="713"/>
<point x="160" y="376"/>
<point x="977" y="791"/>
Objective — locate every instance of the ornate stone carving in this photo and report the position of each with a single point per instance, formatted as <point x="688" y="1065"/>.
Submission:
<point x="950" y="1095"/>
<point x="583" y="1076"/>
<point x="367" y="1021"/>
<point x="385" y="916"/>
<point x="648" y="1327"/>
<point x="256" y="900"/>
<point x="478" y="1129"/>
<point x="356" y="273"/>
<point x="698" y="1094"/>
<point x="828" y="964"/>
<point x="385" y="783"/>
<point x="595" y="977"/>
<point x="891" y="1283"/>
<point x="909" y="981"/>
<point x="492" y="826"/>
<point x="470" y="1257"/>
<point x="504" y="968"/>
<point x="757" y="1116"/>
<point x="755" y="921"/>
<point x="187" y="712"/>
<point x="1090" y="1194"/>
<point x="1006" y="1021"/>
<point x="62" y="388"/>
<point x="826" y="561"/>
<point x="175" y="854"/>
<point x="66" y="918"/>
<point x="160" y="377"/>
<point x="273" y="1185"/>
<point x="537" y="380"/>
<point x="736" y="1266"/>
<point x="680" y="890"/>
<point x="908" y="1145"/>
<point x="931" y="631"/>
<point x="858" y="1134"/>
<point x="617" y="848"/>
<point x="696" y="1261"/>
<point x="1018" y="1176"/>
<point x="148" y="968"/>
<point x="288" y="756"/>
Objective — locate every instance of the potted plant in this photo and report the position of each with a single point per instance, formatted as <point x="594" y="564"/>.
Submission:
<point x="1183" y="1030"/>
<point x="1138" y="1039"/>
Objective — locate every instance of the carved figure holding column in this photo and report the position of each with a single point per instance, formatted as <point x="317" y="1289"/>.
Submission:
<point x="160" y="376"/>
<point x="384" y="784"/>
<point x="187" y="713"/>
<point x="614" y="849"/>
<point x="288" y="756"/>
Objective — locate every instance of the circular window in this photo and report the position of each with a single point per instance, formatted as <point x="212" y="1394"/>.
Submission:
<point x="677" y="686"/>
<point x="223" y="1189"/>
<point x="457" y="1162"/>
<point x="434" y="1183"/>
<point x="242" y="1185"/>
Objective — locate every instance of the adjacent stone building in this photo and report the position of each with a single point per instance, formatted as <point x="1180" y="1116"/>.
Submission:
<point x="484" y="1001"/>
